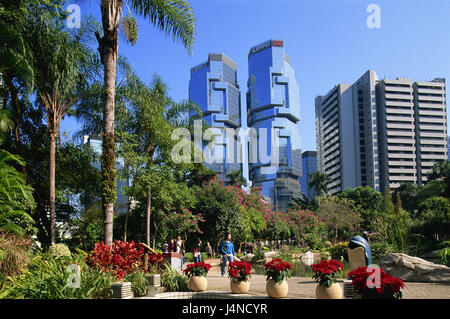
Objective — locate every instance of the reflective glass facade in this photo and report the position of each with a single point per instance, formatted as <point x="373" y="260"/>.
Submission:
<point x="273" y="111"/>
<point x="309" y="166"/>
<point x="213" y="86"/>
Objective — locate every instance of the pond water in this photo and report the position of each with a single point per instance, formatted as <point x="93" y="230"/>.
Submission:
<point x="299" y="269"/>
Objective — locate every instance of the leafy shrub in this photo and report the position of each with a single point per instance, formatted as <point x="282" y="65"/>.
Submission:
<point x="259" y="254"/>
<point x="59" y="250"/>
<point x="339" y="251"/>
<point x="48" y="278"/>
<point x="14" y="254"/>
<point x="138" y="281"/>
<point x="172" y="280"/>
<point x="122" y="258"/>
<point x="379" y="250"/>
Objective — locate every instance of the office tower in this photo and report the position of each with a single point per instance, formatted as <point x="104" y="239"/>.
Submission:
<point x="121" y="204"/>
<point x="380" y="133"/>
<point x="309" y="166"/>
<point x="213" y="86"/>
<point x="273" y="112"/>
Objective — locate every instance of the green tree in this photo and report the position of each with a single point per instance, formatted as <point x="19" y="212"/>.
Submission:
<point x="368" y="201"/>
<point x="319" y="182"/>
<point x="304" y="203"/>
<point x="220" y="207"/>
<point x="441" y="171"/>
<point x="339" y="215"/>
<point x="56" y="57"/>
<point x="235" y="178"/>
<point x="174" y="17"/>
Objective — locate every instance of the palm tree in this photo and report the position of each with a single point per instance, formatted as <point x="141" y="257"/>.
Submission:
<point x="175" y="18"/>
<point x="235" y="178"/>
<point x="319" y="182"/>
<point x="56" y="59"/>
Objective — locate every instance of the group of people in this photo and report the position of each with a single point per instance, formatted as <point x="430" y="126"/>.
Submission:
<point x="226" y="250"/>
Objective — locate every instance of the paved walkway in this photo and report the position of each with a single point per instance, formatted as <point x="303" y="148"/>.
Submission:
<point x="301" y="287"/>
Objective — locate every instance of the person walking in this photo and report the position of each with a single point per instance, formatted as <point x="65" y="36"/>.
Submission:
<point x="172" y="247"/>
<point x="197" y="251"/>
<point x="227" y="252"/>
<point x="180" y="249"/>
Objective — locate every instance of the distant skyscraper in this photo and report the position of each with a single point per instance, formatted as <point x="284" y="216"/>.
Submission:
<point x="273" y="110"/>
<point x="309" y="166"/>
<point x="213" y="86"/>
<point x="380" y="133"/>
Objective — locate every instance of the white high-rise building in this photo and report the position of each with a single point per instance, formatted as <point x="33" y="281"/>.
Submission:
<point x="380" y="133"/>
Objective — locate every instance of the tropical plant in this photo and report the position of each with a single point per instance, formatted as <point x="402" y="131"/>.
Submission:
<point x="120" y="258"/>
<point x="172" y="280"/>
<point x="59" y="250"/>
<point x="57" y="57"/>
<point x="319" y="182"/>
<point x="374" y="283"/>
<point x="15" y="253"/>
<point x="139" y="284"/>
<point x="327" y="272"/>
<point x="239" y="271"/>
<point x="197" y="269"/>
<point x="16" y="197"/>
<point x="48" y="278"/>
<point x="174" y="17"/>
<point x="277" y="270"/>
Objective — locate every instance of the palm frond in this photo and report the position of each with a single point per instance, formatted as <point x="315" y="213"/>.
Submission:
<point x="173" y="17"/>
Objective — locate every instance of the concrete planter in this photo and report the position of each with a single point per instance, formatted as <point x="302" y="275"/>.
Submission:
<point x="154" y="280"/>
<point x="275" y="290"/>
<point x="198" y="283"/>
<point x="121" y="290"/>
<point x="239" y="287"/>
<point x="332" y="292"/>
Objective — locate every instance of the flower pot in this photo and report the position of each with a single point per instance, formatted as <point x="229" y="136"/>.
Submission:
<point x="332" y="292"/>
<point x="275" y="290"/>
<point x="198" y="283"/>
<point x="241" y="287"/>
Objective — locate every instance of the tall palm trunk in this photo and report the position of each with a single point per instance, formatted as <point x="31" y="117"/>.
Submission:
<point x="148" y="211"/>
<point x="52" y="185"/>
<point x="108" y="48"/>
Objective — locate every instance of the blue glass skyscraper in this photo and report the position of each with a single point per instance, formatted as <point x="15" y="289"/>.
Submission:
<point x="273" y="111"/>
<point x="309" y="166"/>
<point x="213" y="86"/>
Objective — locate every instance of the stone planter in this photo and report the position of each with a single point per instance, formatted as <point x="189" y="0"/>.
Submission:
<point x="121" y="290"/>
<point x="275" y="290"/>
<point x="332" y="292"/>
<point x="153" y="280"/>
<point x="241" y="287"/>
<point x="198" y="283"/>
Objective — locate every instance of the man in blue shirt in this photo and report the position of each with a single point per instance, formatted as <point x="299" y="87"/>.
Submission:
<point x="227" y="252"/>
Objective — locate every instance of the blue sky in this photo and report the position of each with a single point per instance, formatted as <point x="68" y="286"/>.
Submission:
<point x="328" y="42"/>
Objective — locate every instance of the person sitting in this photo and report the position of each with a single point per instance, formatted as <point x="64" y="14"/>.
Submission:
<point x="165" y="248"/>
<point x="208" y="249"/>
